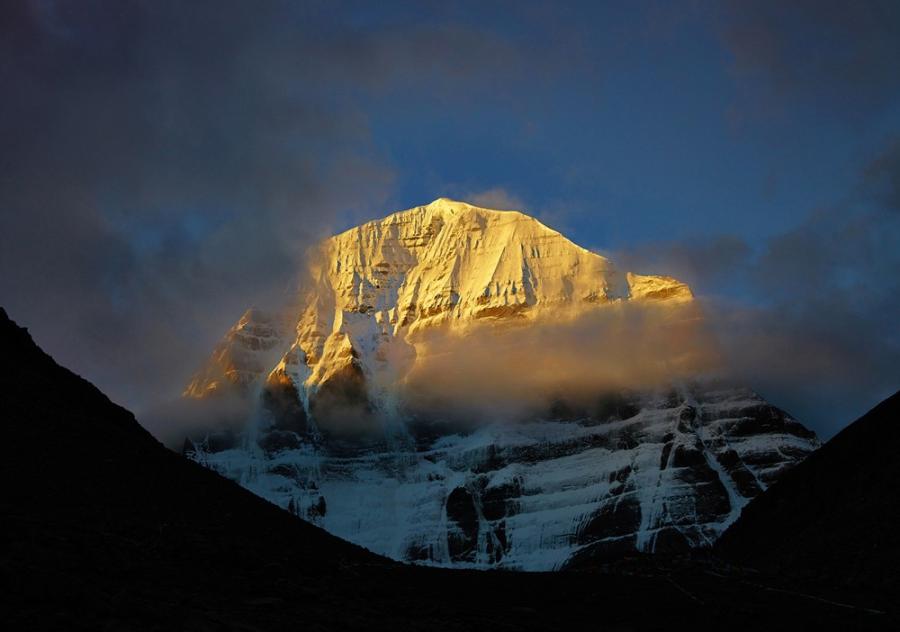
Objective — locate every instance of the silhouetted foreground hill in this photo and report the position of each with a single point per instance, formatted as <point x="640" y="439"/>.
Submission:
<point x="835" y="516"/>
<point x="104" y="528"/>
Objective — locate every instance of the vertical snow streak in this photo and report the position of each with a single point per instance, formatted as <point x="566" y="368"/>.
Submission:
<point x="735" y="499"/>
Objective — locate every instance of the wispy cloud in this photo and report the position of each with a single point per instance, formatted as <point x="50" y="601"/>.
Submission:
<point x="496" y="198"/>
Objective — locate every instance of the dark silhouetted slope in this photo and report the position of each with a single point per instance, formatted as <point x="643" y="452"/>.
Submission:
<point x="835" y="516"/>
<point x="105" y="529"/>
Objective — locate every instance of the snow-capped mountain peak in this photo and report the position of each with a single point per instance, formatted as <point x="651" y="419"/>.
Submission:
<point x="335" y="439"/>
<point x="446" y="264"/>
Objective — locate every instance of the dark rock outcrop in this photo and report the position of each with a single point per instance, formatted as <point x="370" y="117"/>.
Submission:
<point x="835" y="515"/>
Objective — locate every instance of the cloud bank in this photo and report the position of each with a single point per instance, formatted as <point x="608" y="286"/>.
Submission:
<point x="508" y="372"/>
<point x="808" y="318"/>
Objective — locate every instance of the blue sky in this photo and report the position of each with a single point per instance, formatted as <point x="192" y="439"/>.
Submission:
<point x="165" y="164"/>
<point x="649" y="133"/>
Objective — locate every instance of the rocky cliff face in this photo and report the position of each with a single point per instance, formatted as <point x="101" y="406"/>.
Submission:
<point x="334" y="442"/>
<point x="245" y="354"/>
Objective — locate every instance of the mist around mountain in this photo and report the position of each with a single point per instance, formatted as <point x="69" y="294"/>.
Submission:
<point x="461" y="386"/>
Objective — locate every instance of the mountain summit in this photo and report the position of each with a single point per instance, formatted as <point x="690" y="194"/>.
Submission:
<point x="365" y="424"/>
<point x="446" y="264"/>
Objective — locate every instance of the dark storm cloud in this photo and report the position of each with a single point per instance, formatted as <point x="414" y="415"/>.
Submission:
<point x="155" y="179"/>
<point x="163" y="165"/>
<point x="835" y="55"/>
<point x="810" y="318"/>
